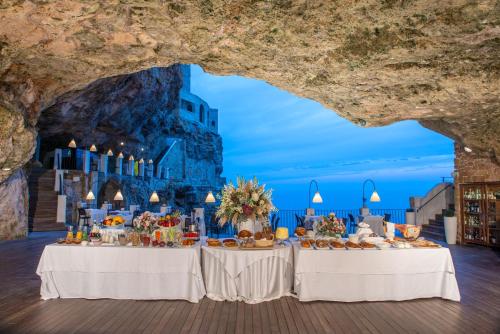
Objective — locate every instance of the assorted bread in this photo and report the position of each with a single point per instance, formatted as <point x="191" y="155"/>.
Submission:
<point x="244" y="234"/>
<point x="211" y="242"/>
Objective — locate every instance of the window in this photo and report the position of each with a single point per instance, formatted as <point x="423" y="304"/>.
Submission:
<point x="187" y="105"/>
<point x="202" y="114"/>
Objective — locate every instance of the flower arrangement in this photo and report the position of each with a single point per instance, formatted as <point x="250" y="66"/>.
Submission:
<point x="248" y="200"/>
<point x="331" y="226"/>
<point x="146" y="222"/>
<point x="170" y="220"/>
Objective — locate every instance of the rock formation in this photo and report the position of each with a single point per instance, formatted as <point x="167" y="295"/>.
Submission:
<point x="373" y="62"/>
<point x="14" y="207"/>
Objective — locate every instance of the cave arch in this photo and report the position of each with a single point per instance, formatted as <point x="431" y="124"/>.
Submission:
<point x="371" y="62"/>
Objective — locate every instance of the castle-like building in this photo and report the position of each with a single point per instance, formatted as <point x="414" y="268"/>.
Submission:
<point x="194" y="108"/>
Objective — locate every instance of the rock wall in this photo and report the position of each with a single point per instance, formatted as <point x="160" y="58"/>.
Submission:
<point x="471" y="168"/>
<point x="140" y="110"/>
<point x="14" y="206"/>
<point x="373" y="62"/>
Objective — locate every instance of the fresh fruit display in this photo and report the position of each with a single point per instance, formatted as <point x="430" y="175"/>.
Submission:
<point x="170" y="220"/>
<point x="191" y="235"/>
<point x="95" y="236"/>
<point x="113" y="221"/>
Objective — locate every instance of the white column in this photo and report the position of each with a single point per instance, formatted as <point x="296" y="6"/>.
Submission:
<point x="103" y="164"/>
<point x="86" y="161"/>
<point x="150" y="170"/>
<point x="130" y="167"/>
<point x="141" y="168"/>
<point x="57" y="158"/>
<point x="119" y="165"/>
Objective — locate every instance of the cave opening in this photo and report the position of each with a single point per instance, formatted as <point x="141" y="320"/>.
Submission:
<point x="147" y="136"/>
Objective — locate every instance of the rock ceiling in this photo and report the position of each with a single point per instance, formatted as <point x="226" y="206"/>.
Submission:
<point x="372" y="62"/>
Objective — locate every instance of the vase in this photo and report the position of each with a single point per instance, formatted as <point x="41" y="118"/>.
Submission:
<point x="450" y="230"/>
<point x="135" y="238"/>
<point x="251" y="225"/>
<point x="146" y="239"/>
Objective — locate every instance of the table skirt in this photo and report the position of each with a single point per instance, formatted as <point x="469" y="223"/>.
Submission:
<point x="121" y="272"/>
<point x="360" y="287"/>
<point x="265" y="279"/>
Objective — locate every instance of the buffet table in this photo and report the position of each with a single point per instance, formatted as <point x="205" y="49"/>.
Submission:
<point x="73" y="271"/>
<point x="374" y="275"/>
<point x="252" y="276"/>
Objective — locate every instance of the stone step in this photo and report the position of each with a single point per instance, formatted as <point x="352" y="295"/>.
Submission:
<point x="43" y="220"/>
<point x="432" y="235"/>
<point x="48" y="226"/>
<point x="436" y="222"/>
<point x="433" y="228"/>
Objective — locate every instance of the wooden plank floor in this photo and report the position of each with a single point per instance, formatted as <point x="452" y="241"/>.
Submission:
<point x="22" y="311"/>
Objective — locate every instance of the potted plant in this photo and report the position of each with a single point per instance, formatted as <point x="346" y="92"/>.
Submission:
<point x="450" y="227"/>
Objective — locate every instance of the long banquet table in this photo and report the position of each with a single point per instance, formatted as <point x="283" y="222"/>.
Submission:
<point x="73" y="271"/>
<point x="374" y="275"/>
<point x="252" y="276"/>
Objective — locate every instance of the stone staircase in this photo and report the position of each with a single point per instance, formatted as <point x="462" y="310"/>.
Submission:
<point x="42" y="212"/>
<point x="435" y="229"/>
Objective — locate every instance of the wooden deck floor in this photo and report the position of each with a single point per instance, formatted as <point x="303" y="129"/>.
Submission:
<point x="22" y="311"/>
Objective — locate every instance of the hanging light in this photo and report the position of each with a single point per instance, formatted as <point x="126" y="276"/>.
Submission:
<point x="90" y="196"/>
<point x="375" y="197"/>
<point x="110" y="153"/>
<point x="93" y="148"/>
<point x="131" y="158"/>
<point x="150" y="161"/>
<point x="210" y="198"/>
<point x="72" y="144"/>
<point x="120" y="155"/>
<point x="118" y="196"/>
<point x="154" y="197"/>
<point x="141" y="161"/>
<point x="317" y="198"/>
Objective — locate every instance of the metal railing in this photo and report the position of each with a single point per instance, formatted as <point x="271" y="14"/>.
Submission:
<point x="288" y="217"/>
<point x="435" y="195"/>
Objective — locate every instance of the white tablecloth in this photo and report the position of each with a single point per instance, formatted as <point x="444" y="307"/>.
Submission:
<point x="374" y="275"/>
<point x="121" y="272"/>
<point x="252" y="276"/>
<point x="97" y="215"/>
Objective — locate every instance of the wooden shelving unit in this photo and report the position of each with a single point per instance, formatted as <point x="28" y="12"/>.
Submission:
<point x="480" y="213"/>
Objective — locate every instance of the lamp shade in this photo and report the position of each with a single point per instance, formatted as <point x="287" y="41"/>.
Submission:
<point x="154" y="197"/>
<point x="375" y="197"/>
<point x="118" y="196"/>
<point x="150" y="161"/>
<point x="210" y="198"/>
<point x="131" y="158"/>
<point x="110" y="153"/>
<point x="93" y="148"/>
<point x="72" y="144"/>
<point x="120" y="156"/>
<point x="90" y="196"/>
<point x="317" y="198"/>
<point x="141" y="161"/>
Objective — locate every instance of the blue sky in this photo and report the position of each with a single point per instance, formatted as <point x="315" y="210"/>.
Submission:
<point x="286" y="141"/>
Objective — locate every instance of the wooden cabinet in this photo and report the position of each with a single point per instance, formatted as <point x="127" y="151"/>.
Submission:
<point x="480" y="213"/>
